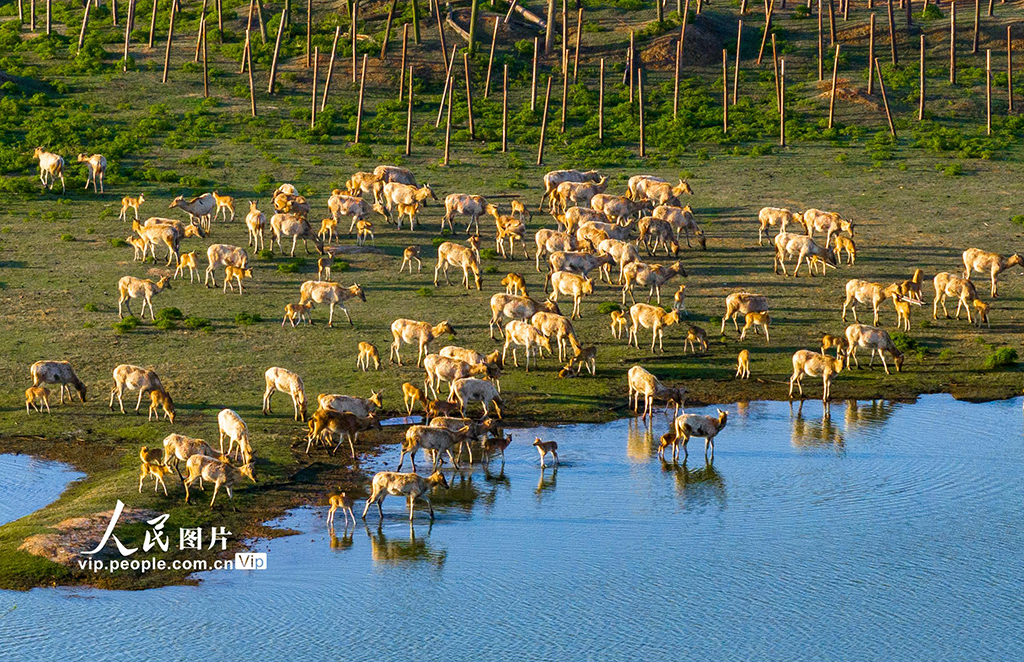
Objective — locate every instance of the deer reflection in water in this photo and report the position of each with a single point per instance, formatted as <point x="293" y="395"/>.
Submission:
<point x="696" y="487"/>
<point x="397" y="551"/>
<point x="345" y="541"/>
<point x="546" y="482"/>
<point x="639" y="441"/>
<point x="809" y="434"/>
<point x="869" y="414"/>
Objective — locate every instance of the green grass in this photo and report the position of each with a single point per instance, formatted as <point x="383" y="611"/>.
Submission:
<point x="918" y="201"/>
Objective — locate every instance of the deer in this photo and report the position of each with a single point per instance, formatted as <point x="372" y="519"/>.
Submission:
<point x="981" y="261"/>
<point x="398" y="174"/>
<point x="323" y="267"/>
<point x="574" y="285"/>
<point x="435" y="440"/>
<point x="57" y="372"/>
<point x="410" y="331"/>
<point x="585" y="357"/>
<point x="556" y="177"/>
<point x="911" y="289"/>
<point x="519" y="208"/>
<point x="409" y="255"/>
<point x="237" y="274"/>
<point x="830" y="223"/>
<point x="219" y="473"/>
<point x="551" y="241"/>
<point x="508" y="306"/>
<point x="741" y="303"/>
<point x="133" y="378"/>
<point x="577" y="262"/>
<point x="344" y="502"/>
<point x="579" y="193"/>
<point x="333" y="294"/>
<point x="981" y="313"/>
<point x="655" y="232"/>
<point x="325" y="423"/>
<point x="285" y="381"/>
<point x="159" y="234"/>
<point x="846" y="244"/>
<point x="411" y="394"/>
<point x="368" y="352"/>
<point x="157" y="471"/>
<point x="472" y="357"/>
<point x="445" y="369"/>
<point x="772" y="216"/>
<point x="948" y="285"/>
<point x="813" y="364"/>
<point x="875" y="339"/>
<point x="223" y="255"/>
<point x="617" y="208"/>
<point x="612" y="230"/>
<point x="341" y="205"/>
<point x="328" y="230"/>
<point x="408" y="485"/>
<point x="225" y="204"/>
<point x="743" y="364"/>
<point x="297" y="227"/>
<point x="128" y="202"/>
<point x="471" y="206"/>
<point x="861" y="291"/>
<point x="51" y="168"/>
<point x="663" y="193"/>
<point x="559" y="327"/>
<point x="297" y="312"/>
<point x="833" y="342"/>
<point x="515" y="284"/>
<point x="648" y="275"/>
<point x="683" y="222"/>
<point x="187" y="261"/>
<point x="199" y="209"/>
<point x="902" y="307"/>
<point x="522" y="334"/>
<point x="479" y="431"/>
<point x="622" y="252"/>
<point x="695" y="337"/>
<point x="653" y="318"/>
<point x="361" y="182"/>
<point x="364" y="233"/>
<point x="755" y="320"/>
<point x="130" y="287"/>
<point x="471" y="389"/>
<point x="618" y="324"/>
<point x="545" y="447"/>
<point x="178" y="448"/>
<point x="574" y="217"/>
<point x="696" y="425"/>
<point x="361" y="407"/>
<point x="231" y="425"/>
<point x="396" y="193"/>
<point x="159" y="399"/>
<point x="34" y="395"/>
<point x="490" y="445"/>
<point x="804" y="248"/>
<point x="642" y="382"/>
<point x="452" y="254"/>
<point x="411" y="210"/>
<point x="514" y="230"/>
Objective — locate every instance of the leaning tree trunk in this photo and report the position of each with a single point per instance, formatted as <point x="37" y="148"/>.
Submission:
<point x="549" y="35"/>
<point x="472" y="27"/>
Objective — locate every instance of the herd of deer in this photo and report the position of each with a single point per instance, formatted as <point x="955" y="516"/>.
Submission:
<point x="592" y="232"/>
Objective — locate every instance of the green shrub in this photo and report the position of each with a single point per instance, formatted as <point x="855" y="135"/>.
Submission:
<point x="905" y="343"/>
<point x="425" y="292"/>
<point x="90" y="308"/>
<point x="265" y="254"/>
<point x="125" y="325"/>
<point x="488" y="254"/>
<point x="292" y="267"/>
<point x="166" y="325"/>
<point x="930" y="11"/>
<point x="117" y="242"/>
<point x="491" y="270"/>
<point x="245" y="319"/>
<point x="437" y="241"/>
<point x="953" y="170"/>
<point x="340" y="265"/>
<point x="197" y="323"/>
<point x="67" y="237"/>
<point x="169" y="314"/>
<point x="1002" y="357"/>
<point x="946" y="354"/>
<point x="608" y="307"/>
<point x="1018" y="219"/>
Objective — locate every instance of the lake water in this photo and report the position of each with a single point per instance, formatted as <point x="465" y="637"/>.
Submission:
<point x="28" y="483"/>
<point x="884" y="531"/>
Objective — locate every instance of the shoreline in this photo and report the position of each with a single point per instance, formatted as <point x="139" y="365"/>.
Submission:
<point x="294" y="491"/>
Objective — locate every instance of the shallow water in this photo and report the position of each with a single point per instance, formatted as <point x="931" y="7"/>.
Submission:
<point x="28" y="483"/>
<point x="884" y="531"/>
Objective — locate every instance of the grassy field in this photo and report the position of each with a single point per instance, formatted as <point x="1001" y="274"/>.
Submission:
<point x="917" y="202"/>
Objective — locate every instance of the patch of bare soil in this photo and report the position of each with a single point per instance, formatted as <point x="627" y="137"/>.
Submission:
<point x="73" y="536"/>
<point x="845" y="91"/>
<point x="701" y="45"/>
